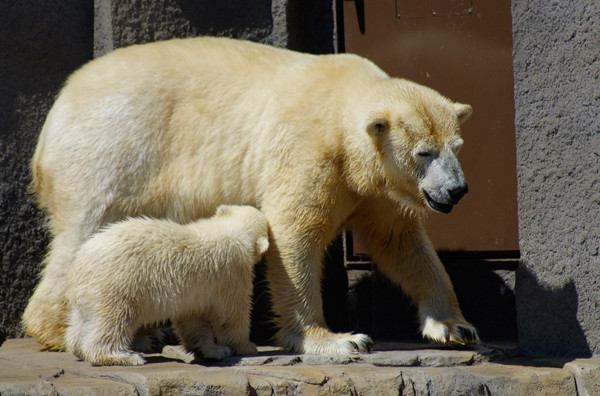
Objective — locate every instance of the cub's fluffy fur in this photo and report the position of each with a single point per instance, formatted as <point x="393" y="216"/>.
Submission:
<point x="142" y="271"/>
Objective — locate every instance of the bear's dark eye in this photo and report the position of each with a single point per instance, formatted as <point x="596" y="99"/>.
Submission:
<point x="425" y="154"/>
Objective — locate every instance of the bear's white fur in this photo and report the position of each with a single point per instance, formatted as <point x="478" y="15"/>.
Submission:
<point x="319" y="143"/>
<point x="144" y="271"/>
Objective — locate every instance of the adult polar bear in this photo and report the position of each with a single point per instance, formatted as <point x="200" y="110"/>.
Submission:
<point x="319" y="143"/>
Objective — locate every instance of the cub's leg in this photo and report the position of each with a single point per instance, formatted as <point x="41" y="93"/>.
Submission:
<point x="231" y="314"/>
<point x="294" y="266"/>
<point x="150" y="339"/>
<point x="197" y="337"/>
<point x="107" y="341"/>
<point x="402" y="251"/>
<point x="77" y="328"/>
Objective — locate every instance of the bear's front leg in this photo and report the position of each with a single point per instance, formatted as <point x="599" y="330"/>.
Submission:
<point x="294" y="273"/>
<point x="402" y="251"/>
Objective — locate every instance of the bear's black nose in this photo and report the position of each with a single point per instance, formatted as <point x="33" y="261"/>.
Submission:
<point x="457" y="193"/>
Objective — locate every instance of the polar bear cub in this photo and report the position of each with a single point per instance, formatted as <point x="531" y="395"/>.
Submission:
<point x="142" y="271"/>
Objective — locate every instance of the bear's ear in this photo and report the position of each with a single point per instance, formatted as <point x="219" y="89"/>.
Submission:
<point x="463" y="111"/>
<point x="223" y="210"/>
<point x="262" y="245"/>
<point x="379" y="126"/>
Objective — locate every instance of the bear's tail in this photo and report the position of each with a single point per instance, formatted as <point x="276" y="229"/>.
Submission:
<point x="36" y="173"/>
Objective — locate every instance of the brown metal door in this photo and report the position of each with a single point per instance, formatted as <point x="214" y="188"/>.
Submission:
<point x="463" y="49"/>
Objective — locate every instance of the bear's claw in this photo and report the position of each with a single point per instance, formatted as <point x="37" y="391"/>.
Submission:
<point x="452" y="333"/>
<point x="467" y="333"/>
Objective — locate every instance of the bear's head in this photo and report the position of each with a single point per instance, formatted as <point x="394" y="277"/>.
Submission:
<point x="253" y="222"/>
<point x="415" y="132"/>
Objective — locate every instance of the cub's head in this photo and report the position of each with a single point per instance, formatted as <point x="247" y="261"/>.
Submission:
<point x="416" y="132"/>
<point x="252" y="221"/>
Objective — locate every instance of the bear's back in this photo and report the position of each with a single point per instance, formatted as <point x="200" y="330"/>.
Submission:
<point x="205" y="58"/>
<point x="163" y="247"/>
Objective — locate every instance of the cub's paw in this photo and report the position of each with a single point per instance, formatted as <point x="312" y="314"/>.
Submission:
<point x="147" y="344"/>
<point x="450" y="332"/>
<point x="321" y="341"/>
<point x="152" y="340"/>
<point x="216" y="352"/>
<point x="117" y="359"/>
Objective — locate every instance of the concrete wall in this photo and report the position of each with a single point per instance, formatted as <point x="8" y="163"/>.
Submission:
<point x="41" y="43"/>
<point x="296" y="24"/>
<point x="557" y="101"/>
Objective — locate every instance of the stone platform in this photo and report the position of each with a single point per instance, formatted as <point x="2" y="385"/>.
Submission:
<point x="391" y="369"/>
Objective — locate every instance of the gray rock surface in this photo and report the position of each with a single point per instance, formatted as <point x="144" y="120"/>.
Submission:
<point x="41" y="43"/>
<point x="587" y="375"/>
<point x="392" y="369"/>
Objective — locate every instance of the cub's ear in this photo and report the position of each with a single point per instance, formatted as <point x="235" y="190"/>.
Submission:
<point x="379" y="126"/>
<point x="223" y="210"/>
<point x="262" y="245"/>
<point x="463" y="111"/>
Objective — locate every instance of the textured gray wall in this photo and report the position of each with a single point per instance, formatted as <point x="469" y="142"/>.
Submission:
<point x="41" y="43"/>
<point x="303" y="25"/>
<point x="557" y="101"/>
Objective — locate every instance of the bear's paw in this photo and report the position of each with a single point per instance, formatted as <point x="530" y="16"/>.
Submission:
<point x="216" y="352"/>
<point x="324" y="342"/>
<point x="450" y="332"/>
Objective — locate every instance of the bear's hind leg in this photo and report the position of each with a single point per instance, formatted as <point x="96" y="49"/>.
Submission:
<point x="45" y="316"/>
